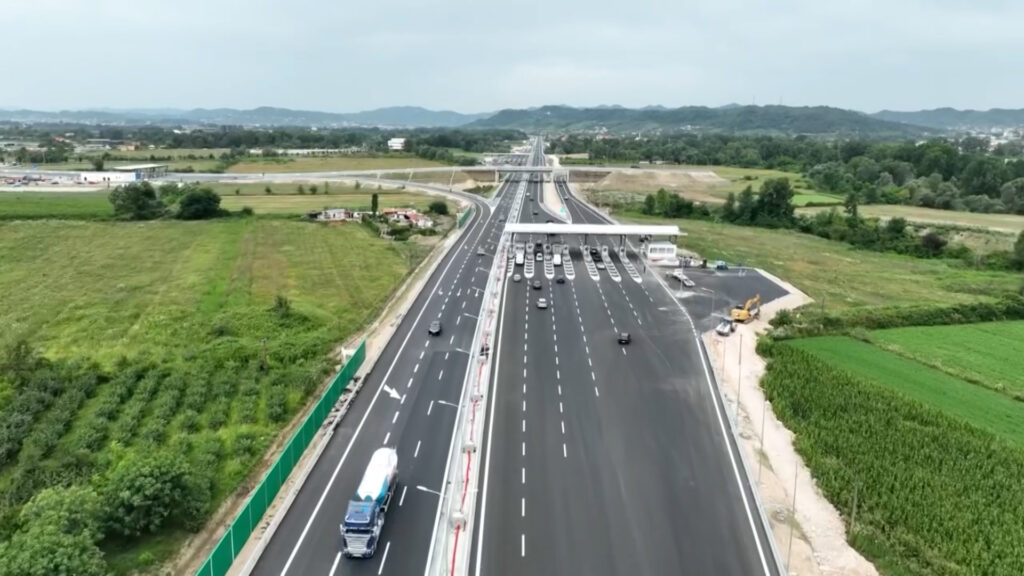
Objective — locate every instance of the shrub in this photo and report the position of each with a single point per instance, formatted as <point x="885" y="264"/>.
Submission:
<point x="147" y="490"/>
<point x="438" y="207"/>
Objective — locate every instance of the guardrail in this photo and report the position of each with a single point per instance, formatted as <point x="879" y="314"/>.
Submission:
<point x="464" y="217"/>
<point x="224" y="553"/>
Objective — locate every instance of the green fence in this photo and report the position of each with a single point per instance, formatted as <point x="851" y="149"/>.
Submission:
<point x="464" y="216"/>
<point x="219" y="561"/>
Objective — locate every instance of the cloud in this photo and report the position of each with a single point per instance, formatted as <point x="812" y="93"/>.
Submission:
<point x="484" y="55"/>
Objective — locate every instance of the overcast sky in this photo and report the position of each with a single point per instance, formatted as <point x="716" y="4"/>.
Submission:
<point x="479" y="55"/>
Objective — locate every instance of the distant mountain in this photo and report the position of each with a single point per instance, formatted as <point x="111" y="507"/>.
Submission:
<point x="953" y="119"/>
<point x="394" y="117"/>
<point x="736" y="119"/>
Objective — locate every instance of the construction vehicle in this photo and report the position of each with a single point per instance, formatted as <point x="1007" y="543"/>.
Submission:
<point x="365" y="516"/>
<point x="748" y="311"/>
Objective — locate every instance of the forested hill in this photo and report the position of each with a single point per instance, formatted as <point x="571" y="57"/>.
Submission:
<point x="953" y="119"/>
<point x="735" y="119"/>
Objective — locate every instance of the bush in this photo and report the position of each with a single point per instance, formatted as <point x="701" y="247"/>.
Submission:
<point x="438" y="207"/>
<point x="245" y="211"/>
<point x="147" y="490"/>
<point x="201" y="204"/>
<point x="136" y="201"/>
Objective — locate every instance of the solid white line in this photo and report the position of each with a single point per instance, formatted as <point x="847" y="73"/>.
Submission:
<point x="431" y="407"/>
<point x="402" y="499"/>
<point x="491" y="432"/>
<point x="334" y="566"/>
<point x="387" y="547"/>
<point x="366" y="415"/>
<point x="415" y="454"/>
<point x="386" y="437"/>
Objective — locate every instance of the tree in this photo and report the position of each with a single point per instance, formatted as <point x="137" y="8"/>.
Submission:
<point x="932" y="243"/>
<point x="313" y="189"/>
<point x="136" y="201"/>
<point x="1018" y="252"/>
<point x="301" y="189"/>
<point x="728" y="209"/>
<point x="147" y="490"/>
<point x="1012" y="194"/>
<point x="357" y="185"/>
<point x="851" y="203"/>
<point x="201" y="204"/>
<point x="374" y="203"/>
<point x="97" y="164"/>
<point x="775" y="202"/>
<point x="982" y="176"/>
<point x="439" y="207"/>
<point x="58" y="532"/>
<point x="648" y="207"/>
<point x="268" y="190"/>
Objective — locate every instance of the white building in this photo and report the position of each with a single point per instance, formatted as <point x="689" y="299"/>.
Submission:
<point x="107" y="177"/>
<point x="396" y="144"/>
<point x="660" y="253"/>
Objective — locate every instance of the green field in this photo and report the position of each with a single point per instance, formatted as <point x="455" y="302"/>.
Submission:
<point x="179" y="316"/>
<point x="837" y="275"/>
<point x="805" y="199"/>
<point x="296" y="204"/>
<point x="976" y="405"/>
<point x="928" y="469"/>
<point x="329" y="163"/>
<point x="35" y="205"/>
<point x="979" y="353"/>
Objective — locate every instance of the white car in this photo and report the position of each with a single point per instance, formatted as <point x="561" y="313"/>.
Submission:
<point x="542" y="303"/>
<point x="725" y="327"/>
<point x="600" y="266"/>
<point x="517" y="278"/>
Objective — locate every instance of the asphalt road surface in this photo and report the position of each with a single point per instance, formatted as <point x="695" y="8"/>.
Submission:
<point x="428" y="372"/>
<point x="602" y="458"/>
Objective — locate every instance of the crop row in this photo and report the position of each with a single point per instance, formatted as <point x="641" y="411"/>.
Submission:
<point x="934" y="494"/>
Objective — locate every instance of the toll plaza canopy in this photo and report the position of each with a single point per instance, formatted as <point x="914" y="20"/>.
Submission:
<point x="594" y="229"/>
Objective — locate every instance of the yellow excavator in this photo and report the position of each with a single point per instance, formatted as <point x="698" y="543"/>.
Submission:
<point x="748" y="311"/>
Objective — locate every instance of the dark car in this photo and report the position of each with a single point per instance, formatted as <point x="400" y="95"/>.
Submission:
<point x="536" y="285"/>
<point x="560" y="280"/>
<point x="534" y="212"/>
<point x="625" y="338"/>
<point x="435" y="328"/>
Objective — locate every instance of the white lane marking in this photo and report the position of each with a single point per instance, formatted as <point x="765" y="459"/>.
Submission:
<point x="556" y="348"/>
<point x="446" y="355"/>
<point x="431" y="407"/>
<point x="560" y="408"/>
<point x="451" y="340"/>
<point x="524" y="358"/>
<point x="524" y="387"/>
<point x="524" y="475"/>
<point x="559" y="389"/>
<point x="558" y="375"/>
<point x="623" y="351"/>
<point x="463" y="303"/>
<point x="402" y="499"/>
<point x="426" y="344"/>
<point x="596" y="393"/>
<point x="386" y="437"/>
<point x="334" y="566"/>
<point x="524" y="424"/>
<point x="522" y="507"/>
<point x="440" y="374"/>
<point x="416" y="367"/>
<point x="422" y="352"/>
<point x="563" y="426"/>
<point x="588" y="349"/>
<point x="393" y="419"/>
<point x="556" y="360"/>
<point x="402" y="401"/>
<point x="387" y="547"/>
<point x="524" y="372"/>
<point x="524" y="405"/>
<point x="522" y="546"/>
<point x="524" y="448"/>
<point x="409" y="385"/>
<point x="458" y="320"/>
<point x="565" y="452"/>
<point x="593" y="377"/>
<point x="376" y="395"/>
<point x="590" y="362"/>
<point x="416" y="454"/>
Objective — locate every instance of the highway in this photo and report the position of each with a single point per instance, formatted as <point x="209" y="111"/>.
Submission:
<point x="428" y="374"/>
<point x="608" y="459"/>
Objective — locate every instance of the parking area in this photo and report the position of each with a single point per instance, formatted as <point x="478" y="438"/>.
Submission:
<point x="717" y="291"/>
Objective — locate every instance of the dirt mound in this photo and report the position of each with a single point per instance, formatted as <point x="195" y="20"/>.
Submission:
<point x="696" y="185"/>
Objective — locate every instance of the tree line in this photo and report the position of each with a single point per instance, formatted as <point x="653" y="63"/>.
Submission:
<point x="970" y="173"/>
<point x="141" y="201"/>
<point x="772" y="207"/>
